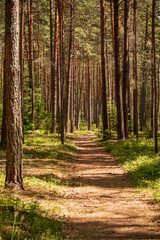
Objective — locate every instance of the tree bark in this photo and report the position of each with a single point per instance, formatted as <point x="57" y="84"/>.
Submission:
<point x="23" y="5"/>
<point x="3" y="133"/>
<point x="154" y="78"/>
<point x="72" y="88"/>
<point x="31" y="58"/>
<point x="62" y="69"/>
<point x="14" y="176"/>
<point x="120" y="123"/>
<point x="38" y="44"/>
<point x="108" y="81"/>
<point x="144" y="78"/>
<point x="89" y="97"/>
<point x="69" y="65"/>
<point x="104" y="95"/>
<point x="135" y="90"/>
<point x="126" y="66"/>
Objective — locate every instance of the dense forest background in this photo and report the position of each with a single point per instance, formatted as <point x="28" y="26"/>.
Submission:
<point x="89" y="68"/>
<point x="61" y="62"/>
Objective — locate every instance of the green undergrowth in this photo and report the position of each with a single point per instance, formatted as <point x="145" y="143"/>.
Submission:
<point x="26" y="220"/>
<point x="35" y="212"/>
<point x="84" y="130"/>
<point x="140" y="161"/>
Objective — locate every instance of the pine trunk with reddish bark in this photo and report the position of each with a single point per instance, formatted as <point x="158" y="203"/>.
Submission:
<point x="104" y="95"/>
<point x="118" y="85"/>
<point x="14" y="176"/>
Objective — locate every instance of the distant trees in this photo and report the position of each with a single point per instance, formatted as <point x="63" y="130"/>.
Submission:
<point x="89" y="62"/>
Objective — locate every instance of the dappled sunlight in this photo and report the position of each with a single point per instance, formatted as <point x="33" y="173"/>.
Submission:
<point x="82" y="190"/>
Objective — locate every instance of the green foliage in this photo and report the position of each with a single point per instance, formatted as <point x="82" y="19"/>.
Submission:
<point x="29" y="214"/>
<point x="27" y="221"/>
<point x="138" y="158"/>
<point x="42" y="117"/>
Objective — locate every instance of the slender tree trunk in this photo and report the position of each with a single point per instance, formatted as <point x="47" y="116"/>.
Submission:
<point x="135" y="90"/>
<point x="85" y="94"/>
<point x="55" y="72"/>
<point x="89" y="97"/>
<point x="27" y="49"/>
<point x="154" y="78"/>
<point x="14" y="176"/>
<point x="113" y="46"/>
<point x="104" y="96"/>
<point x="62" y="69"/>
<point x="108" y="80"/>
<point x="38" y="44"/>
<point x="80" y="97"/>
<point x="72" y="89"/>
<point x="120" y="123"/>
<point x="31" y="58"/>
<point x="144" y="78"/>
<point x="69" y="65"/>
<point x="53" y="64"/>
<point x="23" y="3"/>
<point x="129" y="90"/>
<point x="126" y="67"/>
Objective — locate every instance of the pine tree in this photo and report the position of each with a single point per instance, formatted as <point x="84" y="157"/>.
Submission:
<point x="14" y="177"/>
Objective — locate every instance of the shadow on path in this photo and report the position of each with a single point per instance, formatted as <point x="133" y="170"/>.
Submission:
<point x="106" y="206"/>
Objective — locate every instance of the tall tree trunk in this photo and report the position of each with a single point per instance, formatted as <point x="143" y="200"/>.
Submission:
<point x="126" y="67"/>
<point x="14" y="177"/>
<point x="135" y="90"/>
<point x="23" y="3"/>
<point x="89" y="97"/>
<point x="31" y="58"/>
<point x="72" y="89"/>
<point x="38" y="43"/>
<point x="55" y="72"/>
<point x="113" y="47"/>
<point x="69" y="64"/>
<point x="154" y="78"/>
<point x="108" y="80"/>
<point x="104" y="96"/>
<point x="144" y="78"/>
<point x="120" y="122"/>
<point x="81" y="81"/>
<point x="85" y="93"/>
<point x="62" y="69"/>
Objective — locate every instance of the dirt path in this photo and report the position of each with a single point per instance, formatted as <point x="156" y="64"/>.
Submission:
<point x="105" y="205"/>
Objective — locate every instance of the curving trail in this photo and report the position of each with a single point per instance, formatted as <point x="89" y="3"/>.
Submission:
<point x="104" y="205"/>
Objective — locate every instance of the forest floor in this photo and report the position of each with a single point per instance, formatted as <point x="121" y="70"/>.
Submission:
<point x="105" y="205"/>
<point x="77" y="192"/>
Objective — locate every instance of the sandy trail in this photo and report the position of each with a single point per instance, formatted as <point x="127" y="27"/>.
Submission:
<point x="105" y="205"/>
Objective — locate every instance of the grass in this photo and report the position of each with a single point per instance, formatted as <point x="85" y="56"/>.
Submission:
<point x="84" y="130"/>
<point x="140" y="161"/>
<point x="35" y="212"/>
